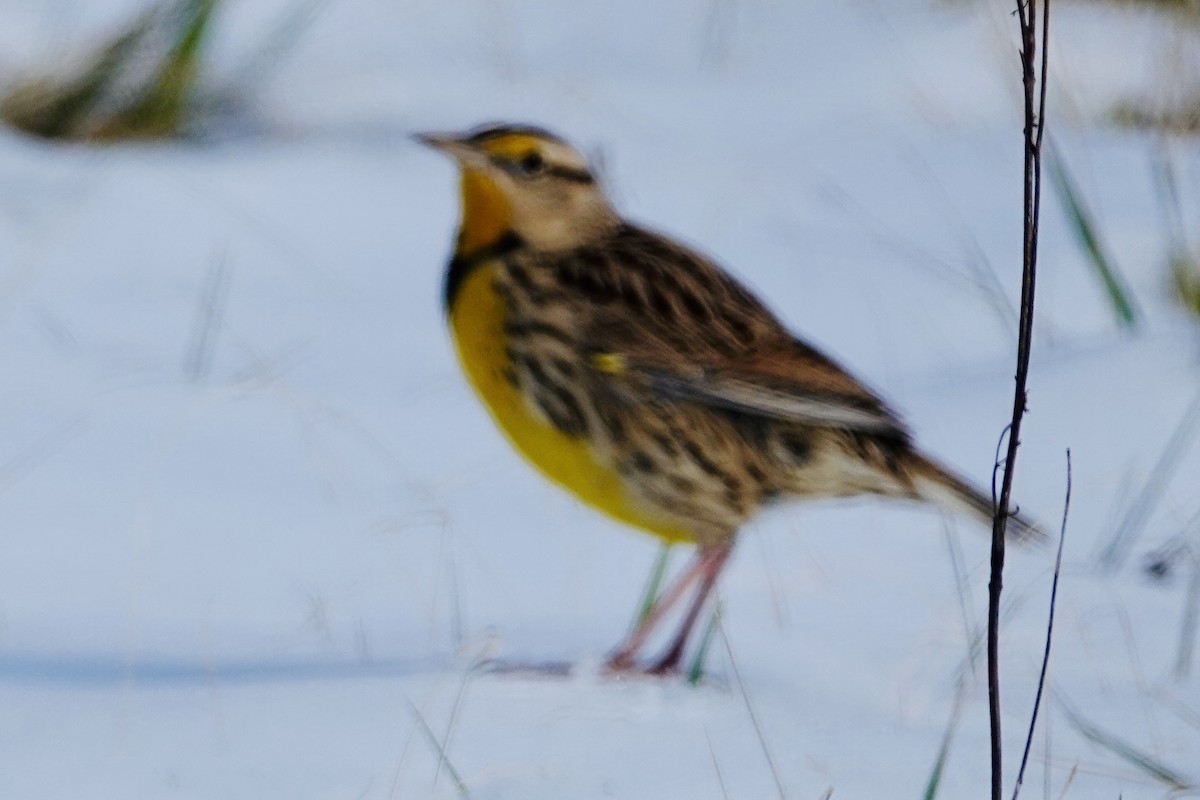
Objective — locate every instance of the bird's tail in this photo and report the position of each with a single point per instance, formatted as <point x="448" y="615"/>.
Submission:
<point x="938" y="485"/>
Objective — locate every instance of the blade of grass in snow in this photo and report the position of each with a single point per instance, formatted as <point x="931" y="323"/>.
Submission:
<point x="209" y="314"/>
<point x="1132" y="755"/>
<point x="973" y="254"/>
<point x="445" y="741"/>
<point x="1190" y="625"/>
<point x="1119" y="545"/>
<point x="1189" y="716"/>
<point x="1182" y="262"/>
<point x="696" y="670"/>
<point x="1067" y="783"/>
<point x="1185" y="275"/>
<point x="162" y="105"/>
<point x="654" y="583"/>
<point x="973" y="640"/>
<point x="49" y="107"/>
<point x="443" y="760"/>
<point x="716" y="765"/>
<point x="1167" y="189"/>
<point x="758" y="731"/>
<point x="920" y="256"/>
<point x="458" y="628"/>
<point x="1083" y="224"/>
<point x="964" y="595"/>
<point x="939" y="763"/>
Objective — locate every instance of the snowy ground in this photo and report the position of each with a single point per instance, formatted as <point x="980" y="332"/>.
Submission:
<point x="255" y="559"/>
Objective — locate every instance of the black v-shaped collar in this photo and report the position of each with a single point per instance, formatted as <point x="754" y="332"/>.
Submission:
<point x="463" y="264"/>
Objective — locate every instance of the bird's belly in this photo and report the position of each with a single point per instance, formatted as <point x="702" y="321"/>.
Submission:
<point x="477" y="323"/>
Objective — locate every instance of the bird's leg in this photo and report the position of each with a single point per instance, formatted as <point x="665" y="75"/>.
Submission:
<point x="711" y="562"/>
<point x="622" y="660"/>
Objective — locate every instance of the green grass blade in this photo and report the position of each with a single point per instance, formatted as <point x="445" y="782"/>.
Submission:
<point x="1185" y="277"/>
<point x="163" y="104"/>
<point x="943" y="756"/>
<point x="654" y="583"/>
<point x="52" y="108"/>
<point x="696" y="670"/>
<point x="1182" y="263"/>
<point x="1086" y="231"/>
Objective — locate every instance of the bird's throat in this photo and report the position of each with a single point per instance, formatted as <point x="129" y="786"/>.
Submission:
<point x="486" y="212"/>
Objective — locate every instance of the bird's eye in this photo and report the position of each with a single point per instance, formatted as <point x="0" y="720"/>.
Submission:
<point x="531" y="164"/>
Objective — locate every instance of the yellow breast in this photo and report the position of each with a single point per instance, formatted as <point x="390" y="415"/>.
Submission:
<point x="477" y="323"/>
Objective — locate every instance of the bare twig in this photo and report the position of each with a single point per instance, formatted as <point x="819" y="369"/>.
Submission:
<point x="1037" y="700"/>
<point x="1035" y="117"/>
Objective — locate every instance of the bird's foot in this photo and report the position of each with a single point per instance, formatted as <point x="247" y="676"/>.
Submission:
<point x="621" y="663"/>
<point x="624" y="664"/>
<point x="668" y="665"/>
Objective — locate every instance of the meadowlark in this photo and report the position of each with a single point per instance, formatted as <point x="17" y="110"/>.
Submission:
<point x="637" y="374"/>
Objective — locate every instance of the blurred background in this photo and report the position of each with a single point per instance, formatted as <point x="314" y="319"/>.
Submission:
<point x="257" y="538"/>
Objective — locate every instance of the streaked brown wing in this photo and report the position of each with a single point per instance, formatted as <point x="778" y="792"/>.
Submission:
<point x="668" y="324"/>
<point x="746" y="392"/>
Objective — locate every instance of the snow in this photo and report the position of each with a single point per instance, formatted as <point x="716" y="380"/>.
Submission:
<point x="259" y="565"/>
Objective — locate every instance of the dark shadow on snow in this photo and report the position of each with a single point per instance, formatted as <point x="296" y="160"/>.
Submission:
<point x="109" y="669"/>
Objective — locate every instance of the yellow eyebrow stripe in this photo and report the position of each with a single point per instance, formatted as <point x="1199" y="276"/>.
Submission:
<point x="513" y="145"/>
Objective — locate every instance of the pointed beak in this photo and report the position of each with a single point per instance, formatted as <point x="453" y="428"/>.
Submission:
<point x="452" y="145"/>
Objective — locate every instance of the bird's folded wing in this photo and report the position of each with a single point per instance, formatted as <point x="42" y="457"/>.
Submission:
<point x="737" y="394"/>
<point x="749" y="389"/>
<point x="666" y="323"/>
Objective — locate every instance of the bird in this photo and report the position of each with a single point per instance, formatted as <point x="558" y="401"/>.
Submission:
<point x="640" y="376"/>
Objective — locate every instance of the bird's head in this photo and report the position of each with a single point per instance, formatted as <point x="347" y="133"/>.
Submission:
<point x="518" y="179"/>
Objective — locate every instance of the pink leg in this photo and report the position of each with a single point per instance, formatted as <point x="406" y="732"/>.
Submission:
<point x="711" y="561"/>
<point x="623" y="659"/>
